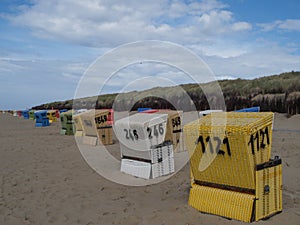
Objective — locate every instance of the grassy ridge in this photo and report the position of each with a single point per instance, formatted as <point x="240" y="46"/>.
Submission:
<point x="277" y="93"/>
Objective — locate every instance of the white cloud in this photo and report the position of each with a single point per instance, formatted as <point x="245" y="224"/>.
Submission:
<point x="7" y="66"/>
<point x="292" y="25"/>
<point x="226" y="77"/>
<point x="206" y="6"/>
<point x="260" y="61"/>
<point x="241" y="26"/>
<point x="268" y="26"/>
<point x="148" y="69"/>
<point x="225" y="48"/>
<point x="221" y="22"/>
<point x="109" y="23"/>
<point x="287" y="25"/>
<point x="177" y="9"/>
<point x="215" y="21"/>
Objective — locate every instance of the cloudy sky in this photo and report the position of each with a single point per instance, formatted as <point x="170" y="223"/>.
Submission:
<point x="47" y="45"/>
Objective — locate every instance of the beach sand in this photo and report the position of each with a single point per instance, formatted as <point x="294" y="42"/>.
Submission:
<point x="45" y="180"/>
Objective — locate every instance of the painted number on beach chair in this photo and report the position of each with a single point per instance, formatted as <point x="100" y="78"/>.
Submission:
<point x="156" y="131"/>
<point x="217" y="149"/>
<point x="259" y="140"/>
<point x="101" y="119"/>
<point x="131" y="134"/>
<point x="176" y="122"/>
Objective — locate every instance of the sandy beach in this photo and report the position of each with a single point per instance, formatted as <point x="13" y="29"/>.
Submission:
<point x="45" y="180"/>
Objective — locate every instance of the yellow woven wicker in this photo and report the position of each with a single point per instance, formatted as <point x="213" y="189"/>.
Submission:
<point x="225" y="203"/>
<point x="268" y="191"/>
<point x="191" y="177"/>
<point x="265" y="201"/>
<point x="51" y="114"/>
<point x="225" y="147"/>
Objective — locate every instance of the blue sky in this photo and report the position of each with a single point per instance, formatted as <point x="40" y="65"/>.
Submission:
<point x="45" y="46"/>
